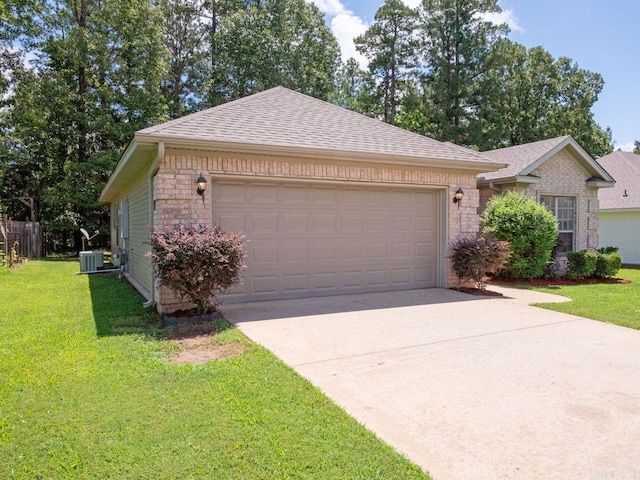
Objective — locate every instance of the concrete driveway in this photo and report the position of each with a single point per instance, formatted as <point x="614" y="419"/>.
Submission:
<point x="468" y="387"/>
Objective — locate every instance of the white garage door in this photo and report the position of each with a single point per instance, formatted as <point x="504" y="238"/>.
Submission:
<point x="313" y="239"/>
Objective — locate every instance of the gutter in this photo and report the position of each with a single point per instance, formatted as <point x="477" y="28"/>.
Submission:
<point x="324" y="154"/>
<point x="152" y="172"/>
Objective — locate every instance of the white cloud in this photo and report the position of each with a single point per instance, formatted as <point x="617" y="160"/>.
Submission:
<point x="626" y="147"/>
<point x="346" y="26"/>
<point x="412" y="3"/>
<point x="505" y="16"/>
<point x="329" y="7"/>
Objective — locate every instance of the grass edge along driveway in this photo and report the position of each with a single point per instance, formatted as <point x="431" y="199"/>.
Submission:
<point x="612" y="303"/>
<point x="86" y="391"/>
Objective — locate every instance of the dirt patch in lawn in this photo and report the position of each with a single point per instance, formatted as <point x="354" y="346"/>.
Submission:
<point x="197" y="344"/>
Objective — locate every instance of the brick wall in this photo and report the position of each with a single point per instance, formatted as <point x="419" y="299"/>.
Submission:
<point x="176" y="200"/>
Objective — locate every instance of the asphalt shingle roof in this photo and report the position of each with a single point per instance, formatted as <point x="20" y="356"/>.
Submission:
<point x="518" y="158"/>
<point x="625" y="168"/>
<point x="280" y="117"/>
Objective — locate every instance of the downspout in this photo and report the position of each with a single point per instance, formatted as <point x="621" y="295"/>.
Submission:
<point x="494" y="188"/>
<point x="152" y="173"/>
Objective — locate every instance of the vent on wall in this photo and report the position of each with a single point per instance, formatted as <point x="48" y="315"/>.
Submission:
<point x="91" y="261"/>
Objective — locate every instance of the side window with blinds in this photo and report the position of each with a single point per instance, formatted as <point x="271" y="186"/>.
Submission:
<point x="564" y="208"/>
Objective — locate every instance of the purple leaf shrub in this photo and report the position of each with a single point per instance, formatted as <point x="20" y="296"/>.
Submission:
<point x="198" y="262"/>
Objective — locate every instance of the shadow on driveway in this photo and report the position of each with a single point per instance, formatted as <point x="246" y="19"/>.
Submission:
<point x="278" y="309"/>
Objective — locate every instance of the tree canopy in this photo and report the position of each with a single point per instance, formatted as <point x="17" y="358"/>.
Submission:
<point x="79" y="77"/>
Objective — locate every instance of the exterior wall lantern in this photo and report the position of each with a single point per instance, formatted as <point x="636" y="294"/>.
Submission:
<point x="457" y="197"/>
<point x="202" y="186"/>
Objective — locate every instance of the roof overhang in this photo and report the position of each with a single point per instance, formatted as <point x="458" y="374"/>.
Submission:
<point x="321" y="154"/>
<point x="135" y="158"/>
<point x="522" y="179"/>
<point x="143" y="148"/>
<point x="599" y="183"/>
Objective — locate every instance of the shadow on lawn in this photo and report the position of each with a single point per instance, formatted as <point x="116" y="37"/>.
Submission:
<point x="117" y="308"/>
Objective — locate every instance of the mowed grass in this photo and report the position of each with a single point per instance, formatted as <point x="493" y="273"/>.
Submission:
<point x="87" y="392"/>
<point x="612" y="303"/>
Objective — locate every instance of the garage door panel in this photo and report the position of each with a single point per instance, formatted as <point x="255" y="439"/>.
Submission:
<point x="265" y="284"/>
<point x="293" y="253"/>
<point x="265" y="223"/>
<point x="294" y="223"/>
<point x="323" y="252"/>
<point x="312" y="239"/>
<point x="264" y="194"/>
<point x="351" y="251"/>
<point x="296" y="283"/>
<point x="401" y="276"/>
<point x="233" y="223"/>
<point x="323" y="196"/>
<point x="402" y="251"/>
<point x="325" y="224"/>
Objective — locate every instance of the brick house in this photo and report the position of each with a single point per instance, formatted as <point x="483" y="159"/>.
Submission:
<point x="329" y="200"/>
<point x="560" y="174"/>
<point x="619" y="215"/>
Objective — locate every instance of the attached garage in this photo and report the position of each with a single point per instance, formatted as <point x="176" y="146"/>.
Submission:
<point x="330" y="201"/>
<point x="322" y="238"/>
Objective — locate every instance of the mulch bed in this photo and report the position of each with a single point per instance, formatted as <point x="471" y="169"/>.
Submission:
<point x="536" y="282"/>
<point x="557" y="282"/>
<point x="480" y="292"/>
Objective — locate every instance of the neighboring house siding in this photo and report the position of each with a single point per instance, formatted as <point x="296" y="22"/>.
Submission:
<point x="560" y="175"/>
<point x="622" y="230"/>
<point x="177" y="202"/>
<point x="139" y="234"/>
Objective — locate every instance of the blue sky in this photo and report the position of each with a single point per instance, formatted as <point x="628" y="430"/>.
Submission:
<point x="601" y="36"/>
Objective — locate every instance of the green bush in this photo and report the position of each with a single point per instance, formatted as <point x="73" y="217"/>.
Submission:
<point x="529" y="227"/>
<point x="472" y="259"/>
<point x="608" y="264"/>
<point x="581" y="264"/>
<point x="608" y="250"/>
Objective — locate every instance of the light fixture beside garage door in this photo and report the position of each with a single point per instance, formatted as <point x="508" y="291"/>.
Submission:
<point x="202" y="186"/>
<point x="457" y="197"/>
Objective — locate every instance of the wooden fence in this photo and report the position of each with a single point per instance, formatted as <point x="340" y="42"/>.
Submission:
<point x="27" y="234"/>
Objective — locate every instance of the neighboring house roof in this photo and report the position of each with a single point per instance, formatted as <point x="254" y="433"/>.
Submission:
<point x="625" y="168"/>
<point x="522" y="160"/>
<point x="282" y="122"/>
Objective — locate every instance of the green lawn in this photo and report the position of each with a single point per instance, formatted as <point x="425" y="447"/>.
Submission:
<point x="613" y="303"/>
<point x="86" y="391"/>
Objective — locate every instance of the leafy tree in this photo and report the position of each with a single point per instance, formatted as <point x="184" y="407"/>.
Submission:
<point x="391" y="48"/>
<point x="185" y="39"/>
<point x="530" y="228"/>
<point x="636" y="150"/>
<point x="354" y="89"/>
<point x="527" y="95"/>
<point x="275" y="42"/>
<point x="457" y="40"/>
<point x="96" y="81"/>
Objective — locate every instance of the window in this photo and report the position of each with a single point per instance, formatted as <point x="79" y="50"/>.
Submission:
<point x="564" y="210"/>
